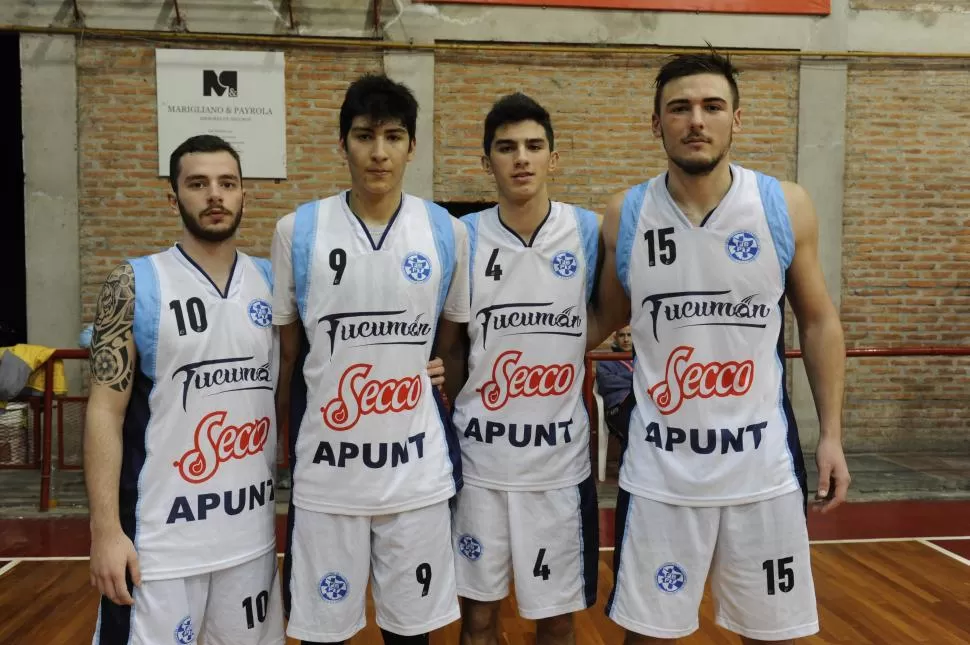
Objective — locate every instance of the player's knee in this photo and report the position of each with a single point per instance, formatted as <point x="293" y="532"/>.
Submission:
<point x="556" y="626"/>
<point x="479" y="617"/>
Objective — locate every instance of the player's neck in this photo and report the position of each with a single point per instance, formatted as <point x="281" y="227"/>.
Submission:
<point x="698" y="195"/>
<point x="374" y="208"/>
<point x="215" y="258"/>
<point x="524" y="217"/>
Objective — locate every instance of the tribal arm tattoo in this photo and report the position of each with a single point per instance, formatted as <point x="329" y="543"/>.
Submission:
<point x="112" y="355"/>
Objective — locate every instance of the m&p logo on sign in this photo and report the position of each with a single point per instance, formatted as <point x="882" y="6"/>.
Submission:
<point x="220" y="82"/>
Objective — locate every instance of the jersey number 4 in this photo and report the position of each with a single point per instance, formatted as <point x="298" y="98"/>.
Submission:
<point x="493" y="270"/>
<point x="541" y="570"/>
<point x="196" y="315"/>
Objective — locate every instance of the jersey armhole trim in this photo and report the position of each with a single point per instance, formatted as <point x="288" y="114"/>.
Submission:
<point x="779" y="222"/>
<point x="629" y="218"/>
<point x="588" y="225"/>
<point x="471" y="222"/>
<point x="148" y="308"/>
<point x="444" y="238"/>
<point x="301" y="247"/>
<point x="266" y="270"/>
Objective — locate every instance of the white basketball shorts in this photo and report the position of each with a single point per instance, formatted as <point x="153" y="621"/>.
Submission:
<point x="549" y="541"/>
<point x="405" y="556"/>
<point x="757" y="555"/>
<point x="236" y="606"/>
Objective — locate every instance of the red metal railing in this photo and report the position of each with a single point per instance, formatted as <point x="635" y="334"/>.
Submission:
<point x="47" y="411"/>
<point x="48" y="415"/>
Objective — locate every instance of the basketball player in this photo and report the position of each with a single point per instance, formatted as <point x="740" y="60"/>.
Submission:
<point x="180" y="443"/>
<point x="713" y="480"/>
<point x="366" y="275"/>
<point x="528" y="509"/>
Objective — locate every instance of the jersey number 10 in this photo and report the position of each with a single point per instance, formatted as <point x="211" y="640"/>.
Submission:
<point x="196" y="315"/>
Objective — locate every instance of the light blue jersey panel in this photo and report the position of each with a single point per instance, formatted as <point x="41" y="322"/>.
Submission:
<point x="304" y="237"/>
<point x="444" y="240"/>
<point x="776" y="210"/>
<point x="471" y="222"/>
<point x="148" y="309"/>
<point x="588" y="225"/>
<point x="629" y="217"/>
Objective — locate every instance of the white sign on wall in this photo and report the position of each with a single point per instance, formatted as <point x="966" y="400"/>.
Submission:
<point x="237" y="95"/>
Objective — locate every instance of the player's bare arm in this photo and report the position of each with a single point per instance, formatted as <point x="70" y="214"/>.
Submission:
<point x="289" y="351"/>
<point x="436" y="371"/>
<point x="112" y="367"/>
<point x="822" y="343"/>
<point x="610" y="308"/>
<point x="453" y="349"/>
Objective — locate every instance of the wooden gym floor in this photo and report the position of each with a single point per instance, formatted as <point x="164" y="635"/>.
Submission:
<point x="886" y="573"/>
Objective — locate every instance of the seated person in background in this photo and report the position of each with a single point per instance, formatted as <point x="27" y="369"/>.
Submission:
<point x="614" y="381"/>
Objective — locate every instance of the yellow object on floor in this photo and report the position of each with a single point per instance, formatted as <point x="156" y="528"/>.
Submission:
<point x="30" y="360"/>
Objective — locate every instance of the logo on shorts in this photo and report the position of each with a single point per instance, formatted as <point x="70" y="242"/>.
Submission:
<point x="470" y="547"/>
<point x="742" y="246"/>
<point x="261" y="313"/>
<point x="334" y="587"/>
<point x="564" y="264"/>
<point x="184" y="633"/>
<point x="416" y="267"/>
<point x="671" y="577"/>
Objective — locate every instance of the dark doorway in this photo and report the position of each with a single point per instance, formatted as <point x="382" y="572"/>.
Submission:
<point x="13" y="265"/>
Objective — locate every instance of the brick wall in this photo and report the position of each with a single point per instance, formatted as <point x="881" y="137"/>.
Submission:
<point x="906" y="257"/>
<point x="123" y="204"/>
<point x="600" y="109"/>
<point x="906" y="243"/>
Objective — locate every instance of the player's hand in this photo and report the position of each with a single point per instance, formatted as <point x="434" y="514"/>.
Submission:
<point x="111" y="555"/>
<point x="833" y="475"/>
<point x="436" y="370"/>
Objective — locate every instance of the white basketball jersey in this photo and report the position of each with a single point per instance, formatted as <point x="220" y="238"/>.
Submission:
<point x="712" y="424"/>
<point x="197" y="477"/>
<point x="520" y="417"/>
<point x="372" y="440"/>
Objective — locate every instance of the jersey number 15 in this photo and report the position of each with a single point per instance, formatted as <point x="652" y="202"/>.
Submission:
<point x="662" y="246"/>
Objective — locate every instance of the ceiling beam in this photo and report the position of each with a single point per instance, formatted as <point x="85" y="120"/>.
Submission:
<point x="78" y="16"/>
<point x="179" y="21"/>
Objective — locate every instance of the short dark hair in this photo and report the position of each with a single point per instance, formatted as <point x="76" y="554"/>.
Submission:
<point x="515" y="108"/>
<point x="198" y="143"/>
<point x="691" y="64"/>
<point x="378" y="97"/>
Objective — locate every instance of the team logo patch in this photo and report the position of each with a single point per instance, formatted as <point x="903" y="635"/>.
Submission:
<point x="470" y="547"/>
<point x="334" y="587"/>
<point x="564" y="264"/>
<point x="261" y="313"/>
<point x="416" y="267"/>
<point x="742" y="246"/>
<point x="184" y="634"/>
<point x="671" y="577"/>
